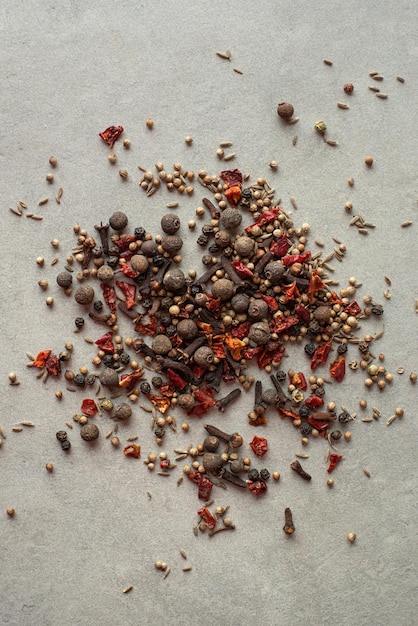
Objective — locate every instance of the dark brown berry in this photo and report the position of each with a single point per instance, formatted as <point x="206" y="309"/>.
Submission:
<point x="89" y="432"/>
<point x="118" y="220"/>
<point x="285" y="110"/>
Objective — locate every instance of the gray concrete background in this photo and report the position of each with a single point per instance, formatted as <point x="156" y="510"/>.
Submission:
<point x="82" y="534"/>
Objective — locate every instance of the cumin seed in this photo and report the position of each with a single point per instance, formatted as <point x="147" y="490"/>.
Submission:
<point x="327" y="62"/>
<point x="43" y="201"/>
<point x="343" y="105"/>
<point x="382" y="96"/>
<point x="400" y="79"/>
<point x="366" y="471"/>
<point x="406" y="224"/>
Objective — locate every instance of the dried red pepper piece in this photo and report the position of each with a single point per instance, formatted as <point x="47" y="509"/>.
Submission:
<point x="127" y="381"/>
<point x="289" y="259"/>
<point x="337" y="369"/>
<point x="287" y="413"/>
<point x="241" y="330"/>
<point x="269" y="355"/>
<point x="353" y="308"/>
<point x="207" y="517"/>
<point x="218" y="350"/>
<point x="205" y="401"/>
<point x="314" y="402"/>
<point x="280" y="246"/>
<point x="105" y="343"/>
<point x="259" y="446"/>
<point x="232" y="178"/>
<point x="132" y="450"/>
<point x="303" y="313"/>
<point x="167" y="389"/>
<point x="233" y="195"/>
<point x="335" y="298"/>
<point x="111" y="135"/>
<point x="128" y="271"/>
<point x="205" y="485"/>
<point x="291" y="291"/>
<point x="321" y="354"/>
<point x="53" y="365"/>
<point x="89" y="407"/>
<point x="213" y="305"/>
<point x="334" y="459"/>
<point x="176" y="379"/>
<point x="281" y="323"/>
<point x="129" y="291"/>
<point x="41" y="359"/>
<point x="257" y="487"/>
<point x="265" y="218"/>
<point x="299" y="381"/>
<point x="320" y="425"/>
<point x="109" y="296"/>
<point x="159" y="402"/>
<point x="147" y="329"/>
<point x="249" y="353"/>
<point x="242" y="270"/>
<point x="124" y="242"/>
<point x="315" y="285"/>
<point x="235" y="346"/>
<point x="271" y="302"/>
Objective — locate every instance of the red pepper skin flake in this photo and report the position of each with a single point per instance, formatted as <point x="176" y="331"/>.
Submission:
<point x="233" y="195"/>
<point x="314" y="402"/>
<point x="232" y="178"/>
<point x="291" y="291"/>
<point x="281" y="323"/>
<point x="289" y="259"/>
<point x="321" y="354"/>
<point x="287" y="413"/>
<point x="337" y="369"/>
<point x="353" y="308"/>
<point x="280" y="246"/>
<point x="167" y="390"/>
<point x="105" y="343"/>
<point x="132" y="450"/>
<point x="128" y="271"/>
<point x="205" y="399"/>
<point x="271" y="303"/>
<point x="53" y="365"/>
<point x="303" y="313"/>
<point x="109" y="296"/>
<point x="259" y="446"/>
<point x="299" y="381"/>
<point x="41" y="359"/>
<point x="265" y="218"/>
<point x="129" y="291"/>
<point x="205" y="485"/>
<point x="268" y="356"/>
<point x="315" y="285"/>
<point x="257" y="487"/>
<point x="242" y="270"/>
<point x="207" y="517"/>
<point x="89" y="407"/>
<point x="334" y="459"/>
<point x="319" y="425"/>
<point x="147" y="329"/>
<point x="159" y="402"/>
<point x="124" y="242"/>
<point x="241" y="330"/>
<point x="111" y="135"/>
<point x="249" y="353"/>
<point x="127" y="381"/>
<point x="176" y="379"/>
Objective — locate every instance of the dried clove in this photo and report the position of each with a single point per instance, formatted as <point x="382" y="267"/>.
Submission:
<point x="223" y="402"/>
<point x="297" y="467"/>
<point x="288" y="527"/>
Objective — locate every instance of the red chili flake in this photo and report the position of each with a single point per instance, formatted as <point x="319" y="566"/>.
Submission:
<point x="207" y="517"/>
<point x="109" y="296"/>
<point x="205" y="485"/>
<point x="165" y="464"/>
<point x="287" y="413"/>
<point x="315" y="285"/>
<point x="176" y="379"/>
<point x="53" y="365"/>
<point x="89" y="407"/>
<point x="335" y="298"/>
<point x="127" y="381"/>
<point x="197" y="370"/>
<point x="105" y="343"/>
<point x="233" y="195"/>
<point x="280" y="246"/>
<point x="334" y="459"/>
<point x="257" y="487"/>
<point x="321" y="354"/>
<point x="205" y="400"/>
<point x="159" y="402"/>
<point x="292" y="292"/>
<point x="218" y="350"/>
<point x="242" y="270"/>
<point x="41" y="359"/>
<point x="303" y="313"/>
<point x="265" y="218"/>
<point x="299" y="381"/>
<point x="281" y="323"/>
<point x="337" y="369"/>
<point x="111" y="135"/>
<point x="241" y="330"/>
<point x="314" y="402"/>
<point x="147" y="329"/>
<point x="235" y="346"/>
<point x="271" y="302"/>
<point x="249" y="353"/>
<point x="123" y="243"/>
<point x="289" y="259"/>
<point x="278" y="355"/>
<point x="270" y="354"/>
<point x="127" y="255"/>
<point x="353" y="308"/>
<point x="320" y="425"/>
<point x="129" y="291"/>
<point x="232" y="178"/>
<point x="259" y="446"/>
<point x="348" y="88"/>
<point x="167" y="389"/>
<point x="132" y="450"/>
<point x="128" y="271"/>
<point x="213" y="305"/>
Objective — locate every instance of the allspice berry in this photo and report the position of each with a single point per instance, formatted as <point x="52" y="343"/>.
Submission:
<point x="109" y="377"/>
<point x="139" y="263"/>
<point x="259" y="333"/>
<point x="170" y="223"/>
<point x="118" y="220"/>
<point x="161" y="344"/>
<point x="211" y="462"/>
<point x="258" y="309"/>
<point x="231" y="218"/>
<point x="203" y="356"/>
<point x="174" y="279"/>
<point x="64" y="280"/>
<point x="244" y="246"/>
<point x="105" y="274"/>
<point x="274" y="272"/>
<point x="89" y="432"/>
<point x="172" y="244"/>
<point x="84" y="294"/>
<point x="186" y="401"/>
<point x="123" y="411"/>
<point x="223" y="289"/>
<point x="187" y="329"/>
<point x="322" y="314"/>
<point x="285" y="110"/>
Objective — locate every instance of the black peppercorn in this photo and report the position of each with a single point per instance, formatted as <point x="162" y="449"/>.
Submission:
<point x="113" y="261"/>
<point x="124" y="358"/>
<point x="98" y="305"/>
<point x="305" y="429"/>
<point x="147" y="303"/>
<point x="310" y="348"/>
<point x="281" y="376"/>
<point x="264" y="474"/>
<point x="157" y="381"/>
<point x="202" y="240"/>
<point x="247" y="194"/>
<point x="61" y="435"/>
<point x="149" y="248"/>
<point x="377" y="309"/>
<point x="171" y="330"/>
<point x="253" y="474"/>
<point x="342" y="348"/>
<point x="336" y="434"/>
<point x="208" y="230"/>
<point x="207" y="259"/>
<point x="214" y="248"/>
<point x="65" y="445"/>
<point x="344" y="417"/>
<point x="79" y="322"/>
<point x="145" y="388"/>
<point x="195" y="289"/>
<point x="64" y="280"/>
<point x="140" y="233"/>
<point x="79" y="380"/>
<point x="90" y="379"/>
<point x="108" y="360"/>
<point x="304" y="411"/>
<point x="158" y="260"/>
<point x="159" y="432"/>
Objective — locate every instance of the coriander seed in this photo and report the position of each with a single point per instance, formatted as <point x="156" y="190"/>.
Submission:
<point x="10" y="511"/>
<point x="368" y="161"/>
<point x="149" y="123"/>
<point x="49" y="467"/>
<point x="351" y="537"/>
